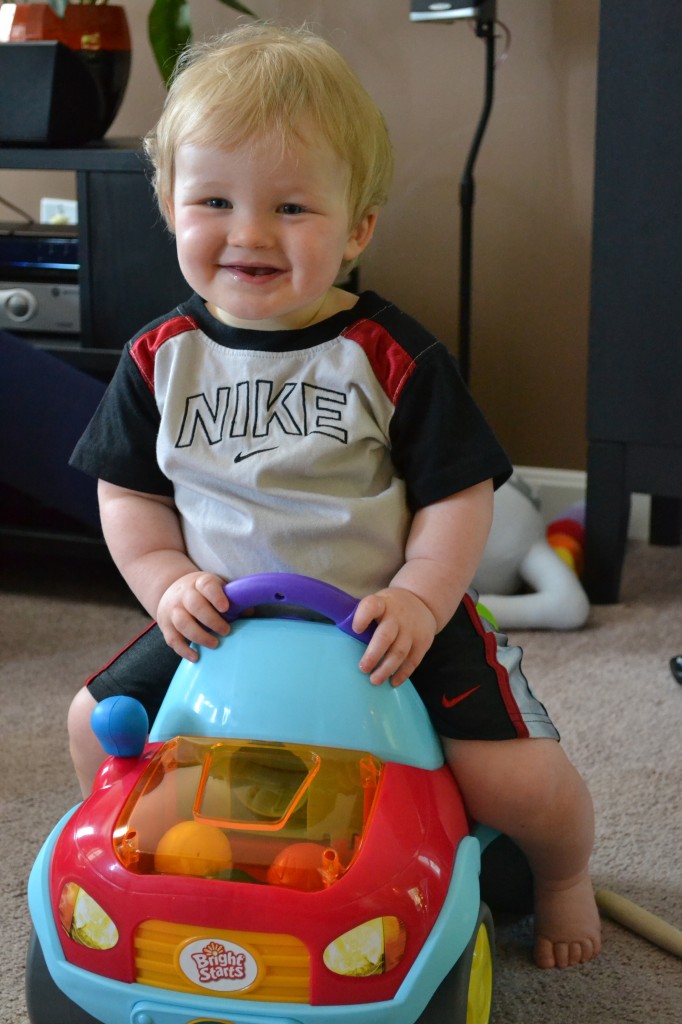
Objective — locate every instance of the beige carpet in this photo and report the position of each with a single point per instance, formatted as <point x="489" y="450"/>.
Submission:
<point x="607" y="686"/>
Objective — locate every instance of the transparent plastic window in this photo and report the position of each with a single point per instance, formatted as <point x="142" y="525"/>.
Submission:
<point x="266" y="813"/>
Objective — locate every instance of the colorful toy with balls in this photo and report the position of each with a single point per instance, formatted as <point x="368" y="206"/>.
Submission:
<point x="286" y="845"/>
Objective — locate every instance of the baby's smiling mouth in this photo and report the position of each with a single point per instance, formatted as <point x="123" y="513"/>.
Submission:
<point x="247" y="270"/>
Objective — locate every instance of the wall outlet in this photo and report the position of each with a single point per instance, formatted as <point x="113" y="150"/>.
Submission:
<point x="58" y="211"/>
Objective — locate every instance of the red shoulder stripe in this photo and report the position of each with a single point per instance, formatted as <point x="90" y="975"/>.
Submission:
<point x="391" y="364"/>
<point x="144" y="349"/>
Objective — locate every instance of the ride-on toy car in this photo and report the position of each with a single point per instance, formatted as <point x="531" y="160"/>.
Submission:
<point x="287" y="846"/>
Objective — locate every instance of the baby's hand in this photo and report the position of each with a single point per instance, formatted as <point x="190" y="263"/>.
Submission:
<point x="405" y="631"/>
<point x="190" y="610"/>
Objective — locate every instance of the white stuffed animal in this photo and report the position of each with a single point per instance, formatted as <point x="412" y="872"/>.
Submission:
<point x="521" y="579"/>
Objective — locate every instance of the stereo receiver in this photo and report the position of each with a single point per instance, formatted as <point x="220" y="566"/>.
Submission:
<point x="39" y="291"/>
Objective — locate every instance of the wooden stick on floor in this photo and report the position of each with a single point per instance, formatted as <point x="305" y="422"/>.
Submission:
<point x="639" y="920"/>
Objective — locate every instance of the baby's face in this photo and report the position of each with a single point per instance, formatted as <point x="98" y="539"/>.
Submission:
<point x="261" y="234"/>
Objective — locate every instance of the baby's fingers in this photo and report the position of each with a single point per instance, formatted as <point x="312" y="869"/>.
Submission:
<point x="177" y="642"/>
<point x="182" y="628"/>
<point x="205" y="614"/>
<point x="374" y="660"/>
<point x="369" y="610"/>
<point x="211" y="588"/>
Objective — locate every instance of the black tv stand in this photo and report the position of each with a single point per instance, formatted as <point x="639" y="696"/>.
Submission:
<point x="635" y="348"/>
<point x="128" y="275"/>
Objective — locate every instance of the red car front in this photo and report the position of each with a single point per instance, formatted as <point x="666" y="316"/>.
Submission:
<point x="256" y="871"/>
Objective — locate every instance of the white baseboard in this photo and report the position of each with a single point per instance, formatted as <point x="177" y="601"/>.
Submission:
<point x="558" y="489"/>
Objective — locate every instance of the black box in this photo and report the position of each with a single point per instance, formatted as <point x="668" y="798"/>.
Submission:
<point x="50" y="96"/>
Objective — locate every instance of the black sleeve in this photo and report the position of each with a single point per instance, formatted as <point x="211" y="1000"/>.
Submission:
<point x="441" y="442"/>
<point x="119" y="443"/>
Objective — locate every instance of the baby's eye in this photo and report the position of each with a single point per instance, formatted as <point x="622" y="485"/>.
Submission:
<point x="219" y="204"/>
<point x="291" y="209"/>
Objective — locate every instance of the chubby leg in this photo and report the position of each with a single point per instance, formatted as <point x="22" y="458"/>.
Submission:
<point x="87" y="753"/>
<point x="528" y="789"/>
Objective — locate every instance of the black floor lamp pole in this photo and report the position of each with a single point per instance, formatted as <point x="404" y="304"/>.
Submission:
<point x="467" y="188"/>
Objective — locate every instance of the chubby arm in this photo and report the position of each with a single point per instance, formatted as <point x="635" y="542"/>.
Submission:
<point x="444" y="546"/>
<point x="145" y="539"/>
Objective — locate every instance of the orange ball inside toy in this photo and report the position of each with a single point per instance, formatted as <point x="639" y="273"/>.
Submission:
<point x="193" y="848"/>
<point x="298" y="867"/>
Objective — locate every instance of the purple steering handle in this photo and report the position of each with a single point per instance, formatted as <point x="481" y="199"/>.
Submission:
<point x="274" y="588"/>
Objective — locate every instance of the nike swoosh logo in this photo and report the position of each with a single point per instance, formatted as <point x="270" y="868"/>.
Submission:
<point x="241" y="456"/>
<point x="449" y="702"/>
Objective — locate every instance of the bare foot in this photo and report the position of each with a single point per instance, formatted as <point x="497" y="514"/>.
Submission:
<point x="567" y="925"/>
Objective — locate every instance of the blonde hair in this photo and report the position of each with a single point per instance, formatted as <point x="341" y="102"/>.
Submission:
<point x="262" y="79"/>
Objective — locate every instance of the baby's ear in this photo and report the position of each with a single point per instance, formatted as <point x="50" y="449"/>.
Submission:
<point x="361" y="235"/>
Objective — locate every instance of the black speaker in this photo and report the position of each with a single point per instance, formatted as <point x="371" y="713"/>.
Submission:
<point x="634" y="388"/>
<point x="55" y="96"/>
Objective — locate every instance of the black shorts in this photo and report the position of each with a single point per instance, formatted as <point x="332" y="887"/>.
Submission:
<point x="473" y="686"/>
<point x="470" y="680"/>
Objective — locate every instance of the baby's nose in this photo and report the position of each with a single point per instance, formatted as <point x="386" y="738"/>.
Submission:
<point x="250" y="232"/>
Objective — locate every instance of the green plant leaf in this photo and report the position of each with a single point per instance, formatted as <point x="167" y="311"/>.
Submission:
<point x="169" y="25"/>
<point x="170" y="30"/>
<point x="236" y="6"/>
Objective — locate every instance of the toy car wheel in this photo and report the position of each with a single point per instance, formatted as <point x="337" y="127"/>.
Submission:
<point x="465" y="995"/>
<point x="46" y="1002"/>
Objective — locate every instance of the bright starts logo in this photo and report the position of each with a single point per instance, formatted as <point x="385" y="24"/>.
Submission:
<point x="220" y="966"/>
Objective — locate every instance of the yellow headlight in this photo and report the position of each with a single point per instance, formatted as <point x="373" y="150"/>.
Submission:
<point x="371" y="948"/>
<point x="84" y="920"/>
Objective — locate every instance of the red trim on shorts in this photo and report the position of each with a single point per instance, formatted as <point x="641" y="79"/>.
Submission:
<point x="127" y="647"/>
<point x="504" y="686"/>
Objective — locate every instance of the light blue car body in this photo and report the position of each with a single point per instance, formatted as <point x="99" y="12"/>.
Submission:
<point x="302" y="684"/>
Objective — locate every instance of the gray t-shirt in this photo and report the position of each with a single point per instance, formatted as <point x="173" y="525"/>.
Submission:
<point x="297" y="451"/>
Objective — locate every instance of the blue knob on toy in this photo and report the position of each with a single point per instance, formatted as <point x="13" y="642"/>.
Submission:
<point x="121" y="725"/>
